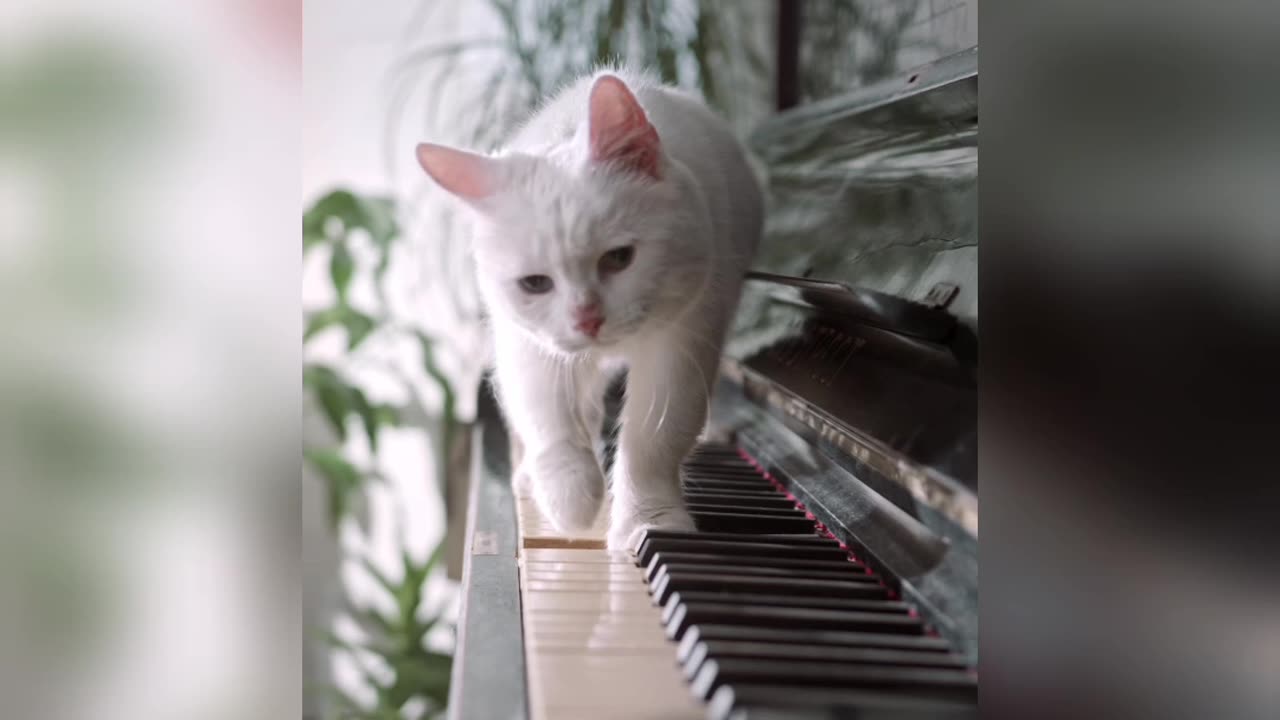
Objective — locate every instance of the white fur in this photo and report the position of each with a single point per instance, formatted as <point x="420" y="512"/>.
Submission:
<point x="555" y="212"/>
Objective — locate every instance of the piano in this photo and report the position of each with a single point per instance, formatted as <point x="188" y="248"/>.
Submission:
<point x="834" y="571"/>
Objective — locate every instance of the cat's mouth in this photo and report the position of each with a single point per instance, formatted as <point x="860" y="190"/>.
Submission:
<point x="607" y="338"/>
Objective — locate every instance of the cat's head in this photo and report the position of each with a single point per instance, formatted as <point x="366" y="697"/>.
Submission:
<point x="594" y="240"/>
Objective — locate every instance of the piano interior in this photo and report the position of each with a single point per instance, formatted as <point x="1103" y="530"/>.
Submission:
<point x="834" y="571"/>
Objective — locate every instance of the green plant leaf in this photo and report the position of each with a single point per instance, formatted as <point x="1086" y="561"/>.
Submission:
<point x="388" y="415"/>
<point x="341" y="268"/>
<point x="358" y="325"/>
<point x="342" y="478"/>
<point x="347" y="706"/>
<point x="368" y="417"/>
<point x="425" y="673"/>
<point x="370" y="621"/>
<point x="373" y="214"/>
<point x="436" y="556"/>
<point x="311" y="237"/>
<point x="333" y="395"/>
<point x="392" y="588"/>
<point x="319" y="320"/>
<point x="339" y="399"/>
<point x="409" y="594"/>
<point x="332" y="220"/>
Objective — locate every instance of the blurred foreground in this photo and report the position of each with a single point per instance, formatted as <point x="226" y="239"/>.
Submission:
<point x="148" y="375"/>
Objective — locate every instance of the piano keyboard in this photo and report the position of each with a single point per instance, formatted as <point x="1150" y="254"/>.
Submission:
<point x="758" y="614"/>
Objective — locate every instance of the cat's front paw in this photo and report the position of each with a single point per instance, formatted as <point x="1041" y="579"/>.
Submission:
<point x="567" y="486"/>
<point x="627" y="527"/>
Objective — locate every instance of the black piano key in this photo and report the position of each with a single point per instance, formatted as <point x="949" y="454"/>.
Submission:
<point x="758" y="500"/>
<point x="671" y="596"/>
<point x="743" y="491"/>
<point x="875" y="601"/>
<point x="723" y="484"/>
<point x="740" y="491"/>
<point x="706" y="632"/>
<point x="691" y="659"/>
<point x="851" y="586"/>
<point x="746" y="522"/>
<point x="679" y="616"/>
<point x="944" y="684"/>
<point x="813" y="540"/>
<point x="730" y="562"/>
<point x="716" y="450"/>
<point x="775" y="702"/>
<point x="715" y="461"/>
<point x="719" y="465"/>
<point x="744" y="507"/>
<point x="771" y="548"/>
<point x="723" y="469"/>
<point x="727" y="474"/>
<point x="712" y="484"/>
<point x="805" y="575"/>
<point x="726" y="468"/>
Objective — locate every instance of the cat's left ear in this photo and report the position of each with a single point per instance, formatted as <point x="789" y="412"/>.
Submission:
<point x="471" y="177"/>
<point x="620" y="132"/>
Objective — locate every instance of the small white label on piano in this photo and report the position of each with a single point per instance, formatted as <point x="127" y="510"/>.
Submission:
<point x="484" y="543"/>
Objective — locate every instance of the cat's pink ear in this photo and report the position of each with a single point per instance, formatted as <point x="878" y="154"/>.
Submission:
<point x="469" y="176"/>
<point x="620" y="132"/>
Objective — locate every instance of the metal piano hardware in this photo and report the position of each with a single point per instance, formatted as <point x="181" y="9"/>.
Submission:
<point x="834" y="570"/>
<point x="869" y="306"/>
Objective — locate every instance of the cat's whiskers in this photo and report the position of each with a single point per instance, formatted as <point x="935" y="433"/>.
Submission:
<point x="652" y="399"/>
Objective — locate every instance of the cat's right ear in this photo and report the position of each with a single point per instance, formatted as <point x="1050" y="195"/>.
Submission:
<point x="471" y="177"/>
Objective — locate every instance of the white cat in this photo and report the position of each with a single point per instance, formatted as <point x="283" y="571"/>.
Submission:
<point x="612" y="231"/>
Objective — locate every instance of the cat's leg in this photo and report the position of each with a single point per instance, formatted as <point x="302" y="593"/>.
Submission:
<point x="668" y="388"/>
<point x="519" y="478"/>
<point x="542" y="398"/>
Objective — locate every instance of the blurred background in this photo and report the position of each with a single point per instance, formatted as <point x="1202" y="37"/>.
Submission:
<point x="394" y="347"/>
<point x="148" y="298"/>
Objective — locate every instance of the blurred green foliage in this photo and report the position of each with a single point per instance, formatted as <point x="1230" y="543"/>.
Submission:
<point x="709" y="46"/>
<point x="400" y="644"/>
<point x="397" y="639"/>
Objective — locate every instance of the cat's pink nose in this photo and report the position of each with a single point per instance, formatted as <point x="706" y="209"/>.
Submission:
<point x="588" y="319"/>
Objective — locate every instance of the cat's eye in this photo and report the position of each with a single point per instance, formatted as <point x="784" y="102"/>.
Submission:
<point x="617" y="259"/>
<point x="535" y="284"/>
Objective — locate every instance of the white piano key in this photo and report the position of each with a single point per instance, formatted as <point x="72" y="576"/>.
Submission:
<point x="594" y="646"/>
<point x="615" y="686"/>
<point x="587" y="604"/>
<point x="620" y="585"/>
<point x="537" y="531"/>
<point x="587" y="572"/>
<point x="577" y="557"/>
